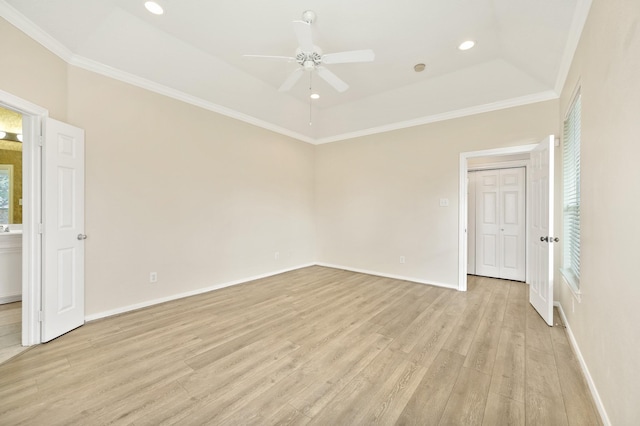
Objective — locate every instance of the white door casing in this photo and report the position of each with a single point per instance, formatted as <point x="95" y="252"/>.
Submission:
<point x="541" y="241"/>
<point x="501" y="224"/>
<point x="63" y="223"/>
<point x="471" y="223"/>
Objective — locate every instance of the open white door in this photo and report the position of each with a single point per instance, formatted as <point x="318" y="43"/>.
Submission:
<point x="63" y="236"/>
<point x="541" y="235"/>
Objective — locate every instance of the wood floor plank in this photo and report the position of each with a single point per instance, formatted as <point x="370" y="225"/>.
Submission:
<point x="466" y="405"/>
<point x="311" y="346"/>
<point x="430" y="398"/>
<point x="508" y="376"/>
<point x="502" y="410"/>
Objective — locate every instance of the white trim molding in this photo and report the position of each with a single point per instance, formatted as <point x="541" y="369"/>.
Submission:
<point x="384" y="275"/>
<point x="148" y="303"/>
<point x="10" y="299"/>
<point x="583" y="366"/>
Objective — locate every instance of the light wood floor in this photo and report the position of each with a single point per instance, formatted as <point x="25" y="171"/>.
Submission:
<point x="315" y="346"/>
<point x="10" y="330"/>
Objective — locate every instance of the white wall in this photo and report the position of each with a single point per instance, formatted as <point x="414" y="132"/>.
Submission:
<point x="377" y="197"/>
<point x="605" y="324"/>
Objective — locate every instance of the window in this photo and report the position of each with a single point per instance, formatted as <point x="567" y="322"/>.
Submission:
<point x="5" y="193"/>
<point x="571" y="195"/>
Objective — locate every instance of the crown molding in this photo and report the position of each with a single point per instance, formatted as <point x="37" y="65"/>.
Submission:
<point x="19" y="21"/>
<point x="116" y="74"/>
<point x="575" y="32"/>
<point x="28" y="27"/>
<point x="494" y="106"/>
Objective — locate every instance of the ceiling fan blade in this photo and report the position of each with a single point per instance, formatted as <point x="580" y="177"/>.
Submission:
<point x="332" y="79"/>
<point x="291" y="80"/>
<point x="275" y="58"/>
<point x="349" y="57"/>
<point x="303" y="33"/>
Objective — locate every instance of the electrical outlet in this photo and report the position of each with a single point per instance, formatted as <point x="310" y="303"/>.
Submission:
<point x="276" y="256"/>
<point x="444" y="202"/>
<point x="402" y="259"/>
<point x="153" y="277"/>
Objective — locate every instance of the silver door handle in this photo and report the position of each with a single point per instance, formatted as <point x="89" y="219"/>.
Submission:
<point x="544" y="238"/>
<point x="82" y="237"/>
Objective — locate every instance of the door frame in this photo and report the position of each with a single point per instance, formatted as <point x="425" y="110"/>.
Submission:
<point x="33" y="117"/>
<point x="463" y="208"/>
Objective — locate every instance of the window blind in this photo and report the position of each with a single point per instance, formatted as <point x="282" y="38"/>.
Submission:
<point x="571" y="194"/>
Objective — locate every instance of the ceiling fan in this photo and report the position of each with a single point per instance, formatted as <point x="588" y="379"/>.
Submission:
<point x="310" y="57"/>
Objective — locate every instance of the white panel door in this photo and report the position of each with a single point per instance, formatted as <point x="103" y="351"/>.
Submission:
<point x="512" y="224"/>
<point x="541" y="243"/>
<point x="63" y="236"/>
<point x="500" y="224"/>
<point x="488" y="223"/>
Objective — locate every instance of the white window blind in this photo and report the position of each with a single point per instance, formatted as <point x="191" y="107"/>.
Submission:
<point x="571" y="194"/>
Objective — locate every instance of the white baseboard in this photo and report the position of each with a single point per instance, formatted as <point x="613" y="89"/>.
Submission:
<point x="10" y="299"/>
<point x="395" y="277"/>
<point x="583" y="365"/>
<point x="148" y="303"/>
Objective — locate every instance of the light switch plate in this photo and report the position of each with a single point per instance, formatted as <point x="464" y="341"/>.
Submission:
<point x="444" y="202"/>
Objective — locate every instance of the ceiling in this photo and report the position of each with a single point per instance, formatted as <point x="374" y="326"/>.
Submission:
<point x="194" y="52"/>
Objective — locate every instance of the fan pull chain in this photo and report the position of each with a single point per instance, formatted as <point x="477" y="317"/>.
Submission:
<point x="310" y="100"/>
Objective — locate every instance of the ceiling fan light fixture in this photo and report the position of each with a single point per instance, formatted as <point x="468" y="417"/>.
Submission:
<point x="466" y="45"/>
<point x="154" y="7"/>
<point x="419" y="67"/>
<point x="309" y="16"/>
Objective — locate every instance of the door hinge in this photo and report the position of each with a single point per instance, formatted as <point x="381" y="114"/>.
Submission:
<point x="40" y="229"/>
<point x="40" y="316"/>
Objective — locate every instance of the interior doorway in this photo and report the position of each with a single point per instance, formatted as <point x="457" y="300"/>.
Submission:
<point x="510" y="157"/>
<point x="11" y="171"/>
<point x="496" y="206"/>
<point x="32" y="118"/>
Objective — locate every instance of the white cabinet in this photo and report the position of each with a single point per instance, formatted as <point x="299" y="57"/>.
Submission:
<point x="10" y="267"/>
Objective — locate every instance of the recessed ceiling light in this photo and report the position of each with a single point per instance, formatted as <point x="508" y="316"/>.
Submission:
<point x="315" y="96"/>
<point x="154" y="7"/>
<point x="419" y="67"/>
<point x="466" y="45"/>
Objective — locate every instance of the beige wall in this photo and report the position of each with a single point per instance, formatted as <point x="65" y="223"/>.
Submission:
<point x="203" y="199"/>
<point x="377" y="197"/>
<point x="35" y="74"/>
<point x="199" y="198"/>
<point x="606" y="322"/>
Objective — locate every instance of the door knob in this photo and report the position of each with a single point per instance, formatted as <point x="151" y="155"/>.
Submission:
<point x="556" y="239"/>
<point x="544" y="239"/>
<point x="82" y="237"/>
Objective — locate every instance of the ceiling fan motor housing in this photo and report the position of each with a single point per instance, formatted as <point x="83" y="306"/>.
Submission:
<point x="309" y="60"/>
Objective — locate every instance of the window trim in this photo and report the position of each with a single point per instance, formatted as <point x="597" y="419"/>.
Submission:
<point x="571" y="279"/>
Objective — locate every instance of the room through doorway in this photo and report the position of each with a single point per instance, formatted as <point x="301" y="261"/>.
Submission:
<point x="11" y="227"/>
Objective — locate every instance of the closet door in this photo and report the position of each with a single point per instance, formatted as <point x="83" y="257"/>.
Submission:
<point x="500" y="223"/>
